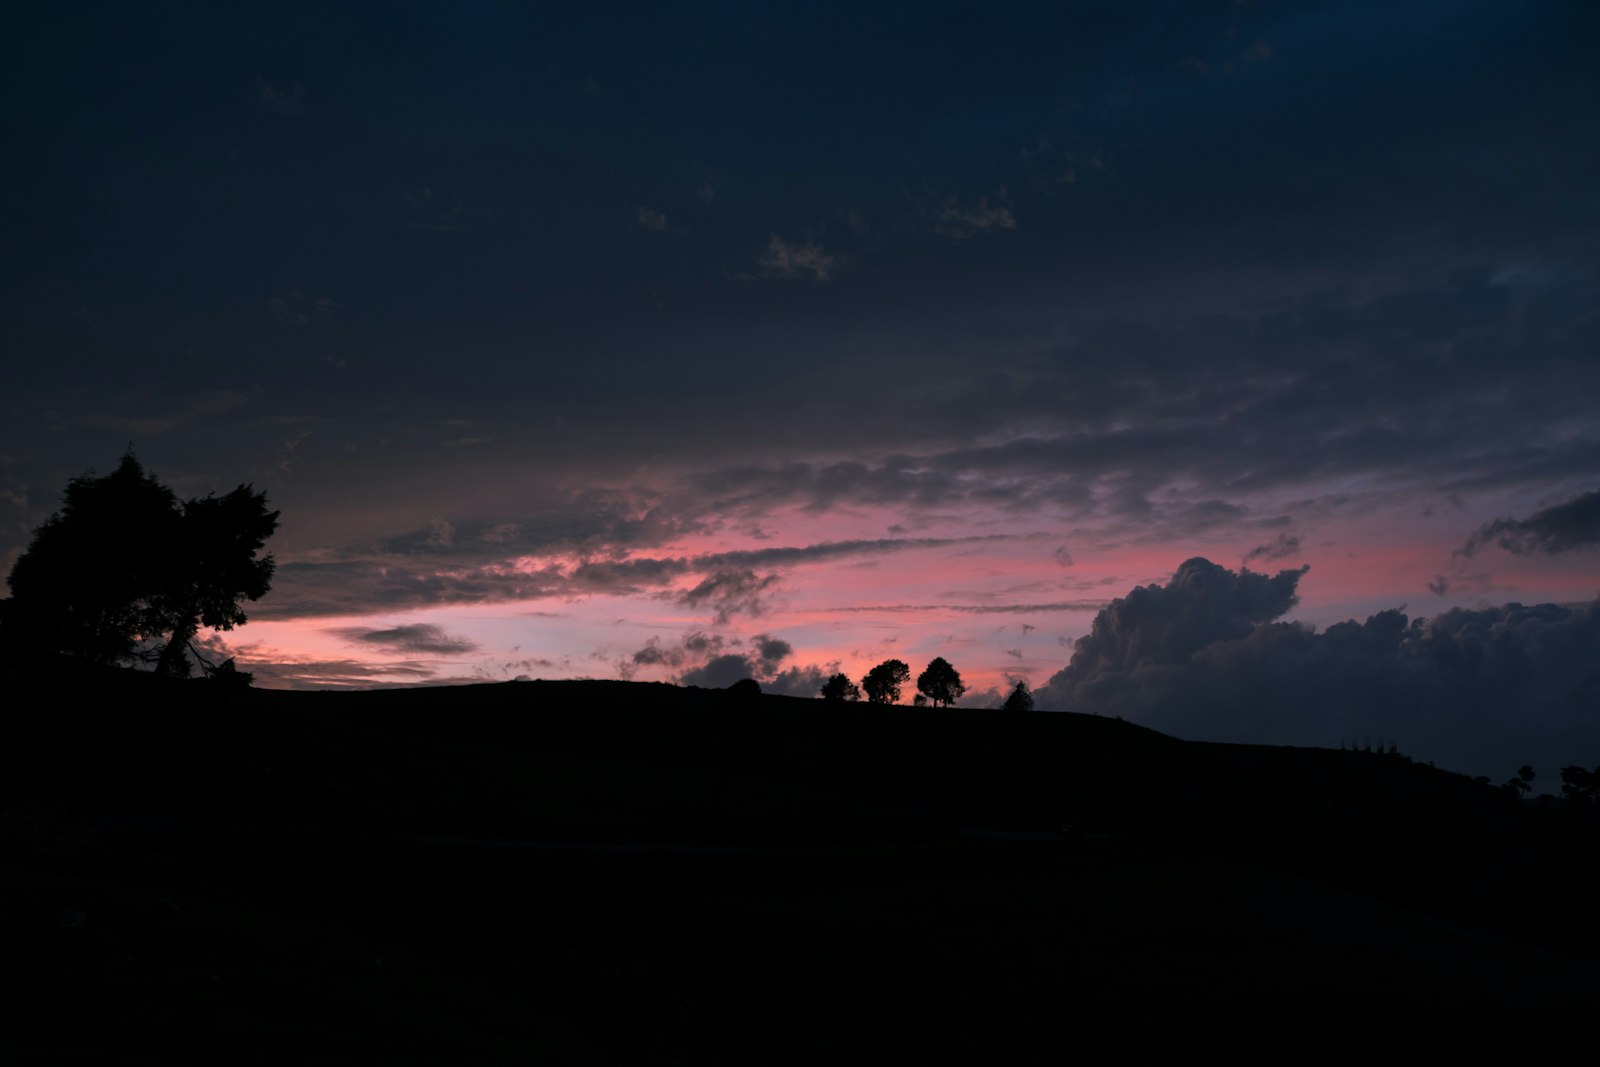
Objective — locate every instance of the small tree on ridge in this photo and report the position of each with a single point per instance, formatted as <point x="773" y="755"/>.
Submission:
<point x="1019" y="700"/>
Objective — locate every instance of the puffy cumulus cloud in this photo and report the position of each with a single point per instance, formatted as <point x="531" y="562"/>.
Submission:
<point x="695" y="647"/>
<point x="415" y="638"/>
<point x="1156" y="624"/>
<point x="1562" y="528"/>
<point x="799" y="681"/>
<point x="1474" y="690"/>
<point x="712" y="661"/>
<point x="654" y="654"/>
<point x="719" y="672"/>
<point x="700" y="642"/>
<point x="722" y="671"/>
<point x="771" y="650"/>
<point x="990" y="698"/>
<point x="782" y="259"/>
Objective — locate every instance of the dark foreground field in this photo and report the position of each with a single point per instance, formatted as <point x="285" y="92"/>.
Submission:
<point x="594" y="872"/>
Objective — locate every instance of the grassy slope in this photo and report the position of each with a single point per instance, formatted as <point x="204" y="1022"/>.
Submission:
<point x="184" y="868"/>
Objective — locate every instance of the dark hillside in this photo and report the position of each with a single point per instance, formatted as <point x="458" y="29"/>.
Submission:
<point x="619" y="872"/>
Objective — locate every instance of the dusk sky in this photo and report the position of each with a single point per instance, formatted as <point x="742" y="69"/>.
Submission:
<point x="695" y="342"/>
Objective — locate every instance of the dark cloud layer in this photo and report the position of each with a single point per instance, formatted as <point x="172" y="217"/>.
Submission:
<point x="424" y="570"/>
<point x="1281" y="547"/>
<point x="1152" y="268"/>
<point x="719" y="672"/>
<point x="414" y="638"/>
<point x="729" y="591"/>
<point x="1562" y="528"/>
<point x="1481" y="691"/>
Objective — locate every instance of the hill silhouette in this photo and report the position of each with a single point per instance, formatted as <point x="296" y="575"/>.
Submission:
<point x="637" y="872"/>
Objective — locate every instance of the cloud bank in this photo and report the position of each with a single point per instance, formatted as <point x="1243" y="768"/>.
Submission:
<point x="1204" y="657"/>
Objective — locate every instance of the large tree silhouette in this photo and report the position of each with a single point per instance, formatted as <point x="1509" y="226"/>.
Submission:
<point x="940" y="683"/>
<point x="124" y="564"/>
<point x="882" y="683"/>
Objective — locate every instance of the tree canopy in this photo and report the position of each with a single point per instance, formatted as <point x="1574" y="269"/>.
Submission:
<point x="940" y="683"/>
<point x="882" y="683"/>
<point x="839" y="688"/>
<point x="123" y="564"/>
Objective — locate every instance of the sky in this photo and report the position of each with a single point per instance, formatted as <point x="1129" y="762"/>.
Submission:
<point x="692" y="343"/>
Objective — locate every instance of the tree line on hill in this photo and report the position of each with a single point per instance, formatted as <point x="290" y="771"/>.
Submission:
<point x="939" y="685"/>
<point x="1580" y="787"/>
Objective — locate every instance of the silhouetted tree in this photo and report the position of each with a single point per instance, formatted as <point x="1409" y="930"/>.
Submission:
<point x="217" y="568"/>
<point x="1521" y="783"/>
<point x="882" y="683"/>
<point x="840" y="688"/>
<point x="1019" y="700"/>
<point x="85" y="585"/>
<point x="1580" y="786"/>
<point x="940" y="683"/>
<point x="123" y="563"/>
<point x="919" y="701"/>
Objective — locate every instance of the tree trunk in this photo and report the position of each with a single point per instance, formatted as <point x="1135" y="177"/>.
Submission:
<point x="172" y="661"/>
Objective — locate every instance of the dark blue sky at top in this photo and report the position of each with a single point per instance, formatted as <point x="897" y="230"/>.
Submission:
<point x="473" y="174"/>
